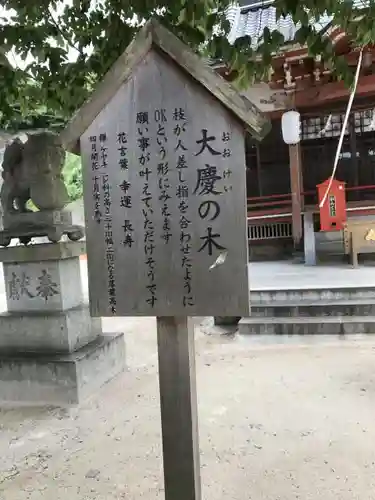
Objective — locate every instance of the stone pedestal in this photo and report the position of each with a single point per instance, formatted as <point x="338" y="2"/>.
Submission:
<point x="52" y="224"/>
<point x="51" y="350"/>
<point x="48" y="218"/>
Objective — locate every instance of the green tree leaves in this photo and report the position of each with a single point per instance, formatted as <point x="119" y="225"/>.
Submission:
<point x="66" y="47"/>
<point x="72" y="173"/>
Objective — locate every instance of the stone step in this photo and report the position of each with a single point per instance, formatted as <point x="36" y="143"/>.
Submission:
<point x="339" y="325"/>
<point x="270" y="297"/>
<point x="365" y="307"/>
<point x="330" y="247"/>
<point x="329" y="237"/>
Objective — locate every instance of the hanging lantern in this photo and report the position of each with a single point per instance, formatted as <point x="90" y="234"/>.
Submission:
<point x="291" y="127"/>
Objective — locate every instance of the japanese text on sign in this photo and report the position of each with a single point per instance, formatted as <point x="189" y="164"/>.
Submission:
<point x="167" y="208"/>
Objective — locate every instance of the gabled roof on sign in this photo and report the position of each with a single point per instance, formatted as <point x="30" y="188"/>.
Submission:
<point x="153" y="34"/>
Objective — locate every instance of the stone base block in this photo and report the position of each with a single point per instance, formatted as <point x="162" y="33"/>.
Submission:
<point x="42" y="285"/>
<point x="41" y="252"/>
<point x="39" y="218"/>
<point x="61" y="332"/>
<point x="41" y="379"/>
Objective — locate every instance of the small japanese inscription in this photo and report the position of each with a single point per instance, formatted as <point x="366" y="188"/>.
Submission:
<point x="122" y="141"/>
<point x="183" y="194"/>
<point x="94" y="160"/>
<point x="94" y="153"/>
<point x="127" y="238"/>
<point x="209" y="187"/>
<point x="109" y="243"/>
<point x="46" y="288"/>
<point x="163" y="173"/>
<point x="103" y="155"/>
<point x="332" y="205"/>
<point x="20" y="285"/>
<point x="102" y="199"/>
<point x="147" y="176"/>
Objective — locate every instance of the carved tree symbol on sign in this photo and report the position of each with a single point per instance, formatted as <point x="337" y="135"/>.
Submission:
<point x="210" y="242"/>
<point x="46" y="288"/>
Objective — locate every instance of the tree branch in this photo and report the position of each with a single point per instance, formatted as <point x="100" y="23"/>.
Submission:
<point x="63" y="34"/>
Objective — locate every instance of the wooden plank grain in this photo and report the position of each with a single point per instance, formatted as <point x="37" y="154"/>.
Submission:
<point x="205" y="196"/>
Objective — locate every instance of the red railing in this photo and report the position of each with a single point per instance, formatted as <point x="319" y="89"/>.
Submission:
<point x="277" y="208"/>
<point x="269" y="201"/>
<point x="259" y="202"/>
<point x="270" y="217"/>
<point x="360" y="188"/>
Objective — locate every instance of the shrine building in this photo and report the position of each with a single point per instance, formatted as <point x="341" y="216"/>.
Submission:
<point x="282" y="179"/>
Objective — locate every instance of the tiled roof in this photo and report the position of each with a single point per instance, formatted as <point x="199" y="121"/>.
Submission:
<point x="252" y="16"/>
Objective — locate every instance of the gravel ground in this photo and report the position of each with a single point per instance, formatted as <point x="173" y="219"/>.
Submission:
<point x="280" y="419"/>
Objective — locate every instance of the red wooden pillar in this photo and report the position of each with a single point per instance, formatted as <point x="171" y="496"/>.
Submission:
<point x="296" y="187"/>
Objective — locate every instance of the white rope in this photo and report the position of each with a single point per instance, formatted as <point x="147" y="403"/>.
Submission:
<point x="326" y="126"/>
<point x="372" y="124"/>
<point x="349" y="107"/>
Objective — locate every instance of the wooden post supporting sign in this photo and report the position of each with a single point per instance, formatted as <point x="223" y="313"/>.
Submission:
<point x="162" y="142"/>
<point x="178" y="405"/>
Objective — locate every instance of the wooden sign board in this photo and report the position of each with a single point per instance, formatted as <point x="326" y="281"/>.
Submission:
<point x="165" y="200"/>
<point x="162" y="142"/>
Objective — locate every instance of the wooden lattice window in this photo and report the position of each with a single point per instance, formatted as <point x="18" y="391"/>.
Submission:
<point x="322" y="127"/>
<point x="330" y="125"/>
<point x="364" y="121"/>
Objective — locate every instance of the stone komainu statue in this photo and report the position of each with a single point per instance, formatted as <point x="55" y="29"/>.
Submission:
<point x="32" y="171"/>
